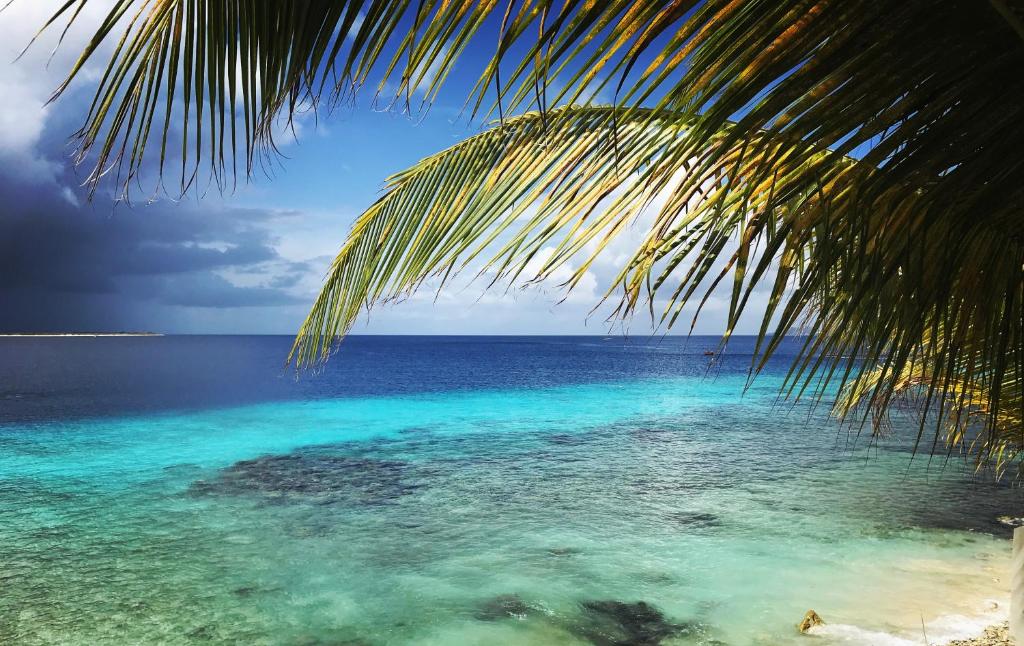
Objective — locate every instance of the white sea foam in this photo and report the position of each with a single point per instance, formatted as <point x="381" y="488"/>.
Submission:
<point x="847" y="634"/>
<point x="941" y="630"/>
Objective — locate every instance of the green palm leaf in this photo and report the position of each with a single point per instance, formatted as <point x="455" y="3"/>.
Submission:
<point x="767" y="209"/>
<point x="205" y="81"/>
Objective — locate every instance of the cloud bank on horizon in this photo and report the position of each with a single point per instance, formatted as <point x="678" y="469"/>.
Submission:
<point x="246" y="262"/>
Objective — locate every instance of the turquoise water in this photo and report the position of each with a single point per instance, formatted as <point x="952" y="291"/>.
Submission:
<point x="628" y="509"/>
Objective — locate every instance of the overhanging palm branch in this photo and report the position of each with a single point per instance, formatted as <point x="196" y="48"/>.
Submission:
<point x="204" y="81"/>
<point x="738" y="118"/>
<point x="560" y="187"/>
<point x="957" y="411"/>
<point x="921" y="80"/>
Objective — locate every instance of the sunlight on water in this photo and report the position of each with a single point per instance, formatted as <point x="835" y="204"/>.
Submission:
<point x="643" y="511"/>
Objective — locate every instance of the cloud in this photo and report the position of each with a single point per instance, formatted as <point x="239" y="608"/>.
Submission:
<point x="27" y="85"/>
<point x="67" y="264"/>
<point x="164" y="254"/>
<point x="217" y="292"/>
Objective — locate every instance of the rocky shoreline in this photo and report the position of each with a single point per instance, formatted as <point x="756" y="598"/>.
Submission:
<point x="998" y="635"/>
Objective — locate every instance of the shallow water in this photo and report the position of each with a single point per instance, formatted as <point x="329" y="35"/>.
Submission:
<point x="465" y="491"/>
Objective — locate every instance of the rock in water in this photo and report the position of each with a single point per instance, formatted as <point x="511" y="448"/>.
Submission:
<point x="617" y="623"/>
<point x="503" y="606"/>
<point x="810" y="620"/>
<point x="695" y="520"/>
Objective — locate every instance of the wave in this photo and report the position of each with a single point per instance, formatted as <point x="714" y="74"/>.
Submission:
<point x="940" y="630"/>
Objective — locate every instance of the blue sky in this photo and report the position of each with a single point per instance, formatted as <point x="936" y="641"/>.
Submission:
<point x="247" y="262"/>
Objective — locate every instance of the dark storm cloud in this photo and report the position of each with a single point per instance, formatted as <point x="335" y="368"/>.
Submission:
<point x="55" y="254"/>
<point x="214" y="291"/>
<point x="67" y="264"/>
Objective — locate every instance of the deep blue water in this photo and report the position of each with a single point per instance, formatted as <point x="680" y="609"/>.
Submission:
<point x="466" y="490"/>
<point x="59" y="379"/>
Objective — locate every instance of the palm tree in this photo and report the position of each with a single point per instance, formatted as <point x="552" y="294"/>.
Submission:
<point x="860" y="160"/>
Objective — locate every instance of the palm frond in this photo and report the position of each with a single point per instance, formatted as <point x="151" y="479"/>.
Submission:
<point x="206" y="82"/>
<point x="509" y="191"/>
<point x="957" y="410"/>
<point x="913" y="82"/>
<point x="868" y="281"/>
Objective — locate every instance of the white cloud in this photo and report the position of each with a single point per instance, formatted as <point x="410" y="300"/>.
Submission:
<point x="430" y="73"/>
<point x="26" y="83"/>
<point x="69" y="196"/>
<point x="22" y="112"/>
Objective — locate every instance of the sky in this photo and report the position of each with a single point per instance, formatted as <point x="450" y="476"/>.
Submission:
<point x="249" y="261"/>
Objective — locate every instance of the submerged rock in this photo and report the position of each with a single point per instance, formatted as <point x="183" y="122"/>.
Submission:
<point x="567" y="439"/>
<point x="695" y="519"/>
<point x="321" y="478"/>
<point x="311" y="640"/>
<point x="810" y="620"/>
<point x="207" y="632"/>
<point x="655" y="434"/>
<point x="503" y="606"/>
<point x="184" y="468"/>
<point x="564" y="551"/>
<point x="250" y="590"/>
<point x="618" y="623"/>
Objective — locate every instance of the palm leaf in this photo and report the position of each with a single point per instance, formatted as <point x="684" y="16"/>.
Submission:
<point x="767" y="209"/>
<point x="206" y="82"/>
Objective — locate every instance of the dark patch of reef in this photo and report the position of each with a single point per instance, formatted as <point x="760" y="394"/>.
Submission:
<point x="317" y="477"/>
<point x="600" y="622"/>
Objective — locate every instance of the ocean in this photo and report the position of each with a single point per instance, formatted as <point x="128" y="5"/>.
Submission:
<point x="468" y="490"/>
